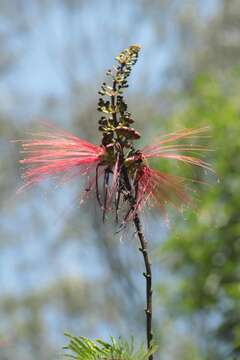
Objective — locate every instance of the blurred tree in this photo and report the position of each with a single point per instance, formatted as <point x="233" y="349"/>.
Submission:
<point x="203" y="252"/>
<point x="205" y="249"/>
<point x="220" y="51"/>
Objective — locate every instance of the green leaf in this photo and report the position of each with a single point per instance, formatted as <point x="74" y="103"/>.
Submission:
<point x="84" y="348"/>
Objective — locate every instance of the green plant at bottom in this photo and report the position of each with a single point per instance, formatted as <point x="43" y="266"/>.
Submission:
<point x="82" y="348"/>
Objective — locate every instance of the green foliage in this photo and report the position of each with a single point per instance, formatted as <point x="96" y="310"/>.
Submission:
<point x="204" y="251"/>
<point x="83" y="348"/>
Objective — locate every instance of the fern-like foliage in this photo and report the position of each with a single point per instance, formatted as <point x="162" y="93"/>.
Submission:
<point x="81" y="348"/>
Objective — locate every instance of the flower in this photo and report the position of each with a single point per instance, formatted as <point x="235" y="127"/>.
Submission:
<point x="61" y="154"/>
<point x="157" y="188"/>
<point x="120" y="174"/>
<point x="57" y="153"/>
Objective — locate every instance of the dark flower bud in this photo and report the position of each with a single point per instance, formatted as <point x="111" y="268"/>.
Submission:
<point x="135" y="134"/>
<point x="129" y="133"/>
<point x="107" y="138"/>
<point x="103" y="121"/>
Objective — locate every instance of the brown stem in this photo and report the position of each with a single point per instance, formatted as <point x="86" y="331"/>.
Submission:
<point x="148" y="276"/>
<point x="113" y="103"/>
<point x="144" y="251"/>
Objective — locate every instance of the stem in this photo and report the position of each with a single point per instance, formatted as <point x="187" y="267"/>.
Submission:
<point x="148" y="277"/>
<point x="113" y="103"/>
<point x="147" y="262"/>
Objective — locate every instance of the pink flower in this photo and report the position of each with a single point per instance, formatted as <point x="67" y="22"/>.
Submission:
<point x="159" y="189"/>
<point x="57" y="153"/>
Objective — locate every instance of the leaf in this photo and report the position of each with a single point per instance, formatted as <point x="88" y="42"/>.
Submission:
<point x="84" y="348"/>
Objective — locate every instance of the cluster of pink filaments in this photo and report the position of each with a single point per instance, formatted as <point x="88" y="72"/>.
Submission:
<point x="59" y="153"/>
<point x="56" y="152"/>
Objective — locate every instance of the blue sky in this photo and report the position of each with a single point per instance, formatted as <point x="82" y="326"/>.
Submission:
<point x="46" y="59"/>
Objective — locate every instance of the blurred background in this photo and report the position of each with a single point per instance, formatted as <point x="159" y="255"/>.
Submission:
<point x="61" y="269"/>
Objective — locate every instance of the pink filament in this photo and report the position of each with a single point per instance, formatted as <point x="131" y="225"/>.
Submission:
<point x="57" y="152"/>
<point x="161" y="189"/>
<point x="177" y="151"/>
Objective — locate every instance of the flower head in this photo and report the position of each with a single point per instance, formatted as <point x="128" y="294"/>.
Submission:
<point x="120" y="174"/>
<point x="160" y="189"/>
<point x="57" y="153"/>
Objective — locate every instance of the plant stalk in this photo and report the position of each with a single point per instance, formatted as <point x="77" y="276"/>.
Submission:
<point x="144" y="250"/>
<point x="148" y="277"/>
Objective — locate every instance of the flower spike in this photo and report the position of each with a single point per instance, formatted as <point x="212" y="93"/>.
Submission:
<point x="119" y="173"/>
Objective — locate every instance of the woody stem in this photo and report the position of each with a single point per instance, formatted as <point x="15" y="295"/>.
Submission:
<point x="148" y="277"/>
<point x="144" y="250"/>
